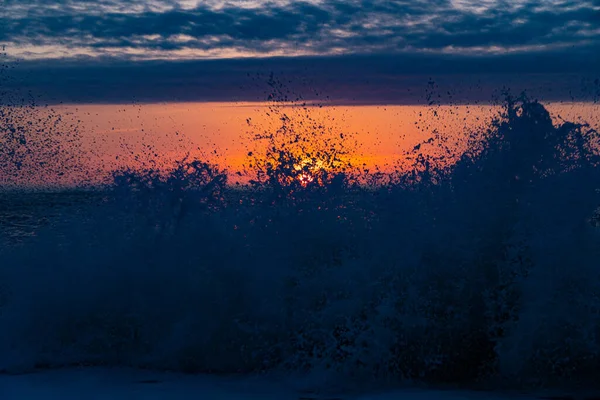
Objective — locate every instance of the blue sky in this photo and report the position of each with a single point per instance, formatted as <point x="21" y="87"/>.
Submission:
<point x="363" y="45"/>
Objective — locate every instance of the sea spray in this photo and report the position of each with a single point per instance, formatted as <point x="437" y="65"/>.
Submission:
<point x="483" y="270"/>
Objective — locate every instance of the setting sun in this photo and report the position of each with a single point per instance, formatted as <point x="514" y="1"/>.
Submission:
<point x="305" y="179"/>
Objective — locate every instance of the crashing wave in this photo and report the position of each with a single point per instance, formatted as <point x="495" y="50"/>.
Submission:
<point x="482" y="271"/>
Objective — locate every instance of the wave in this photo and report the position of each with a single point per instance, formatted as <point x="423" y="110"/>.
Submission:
<point x="484" y="270"/>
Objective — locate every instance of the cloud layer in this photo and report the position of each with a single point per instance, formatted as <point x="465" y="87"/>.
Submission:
<point x="170" y="29"/>
<point x="369" y="51"/>
<point x="366" y="79"/>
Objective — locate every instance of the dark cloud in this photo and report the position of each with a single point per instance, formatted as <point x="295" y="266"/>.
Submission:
<point x="372" y="79"/>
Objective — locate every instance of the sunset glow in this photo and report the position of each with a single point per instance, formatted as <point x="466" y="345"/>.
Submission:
<point x="222" y="132"/>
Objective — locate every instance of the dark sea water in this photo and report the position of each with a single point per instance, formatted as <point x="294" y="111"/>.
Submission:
<point x="484" y="272"/>
<point x="24" y="213"/>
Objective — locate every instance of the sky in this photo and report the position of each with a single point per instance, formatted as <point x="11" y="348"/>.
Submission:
<point x="378" y="137"/>
<point x="354" y="51"/>
<point x="135" y="74"/>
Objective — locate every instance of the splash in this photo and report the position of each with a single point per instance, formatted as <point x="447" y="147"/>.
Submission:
<point x="37" y="143"/>
<point x="302" y="151"/>
<point x="483" y="269"/>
